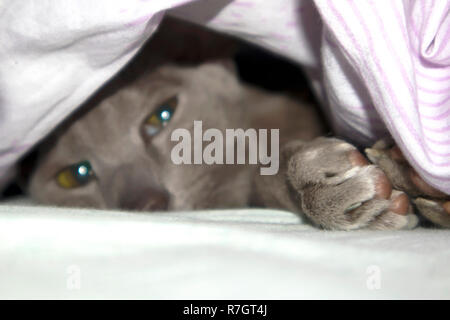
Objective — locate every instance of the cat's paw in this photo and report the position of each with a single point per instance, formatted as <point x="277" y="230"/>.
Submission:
<point x="390" y="159"/>
<point x="430" y="202"/>
<point x="339" y="189"/>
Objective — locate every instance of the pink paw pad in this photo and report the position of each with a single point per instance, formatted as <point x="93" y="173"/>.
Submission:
<point x="400" y="204"/>
<point x="357" y="159"/>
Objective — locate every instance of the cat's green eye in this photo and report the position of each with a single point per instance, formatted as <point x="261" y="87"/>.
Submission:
<point x="74" y="176"/>
<point x="160" y="117"/>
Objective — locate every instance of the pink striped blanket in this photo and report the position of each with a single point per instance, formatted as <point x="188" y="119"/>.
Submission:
<point x="379" y="67"/>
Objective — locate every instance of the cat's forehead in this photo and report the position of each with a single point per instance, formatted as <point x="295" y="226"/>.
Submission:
<point x="115" y="122"/>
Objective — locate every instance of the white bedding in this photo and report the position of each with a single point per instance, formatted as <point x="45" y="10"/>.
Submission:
<point x="230" y="254"/>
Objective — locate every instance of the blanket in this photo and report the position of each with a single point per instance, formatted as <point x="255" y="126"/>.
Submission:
<point x="61" y="253"/>
<point x="378" y="67"/>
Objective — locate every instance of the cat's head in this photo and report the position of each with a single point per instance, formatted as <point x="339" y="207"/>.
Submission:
<point x="118" y="153"/>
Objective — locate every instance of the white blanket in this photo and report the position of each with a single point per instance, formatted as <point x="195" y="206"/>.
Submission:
<point x="378" y="66"/>
<point x="238" y="254"/>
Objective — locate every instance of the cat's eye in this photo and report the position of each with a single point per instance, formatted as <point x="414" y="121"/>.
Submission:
<point x="76" y="175"/>
<point x="160" y="117"/>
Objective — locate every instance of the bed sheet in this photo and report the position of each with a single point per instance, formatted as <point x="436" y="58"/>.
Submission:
<point x="63" y="253"/>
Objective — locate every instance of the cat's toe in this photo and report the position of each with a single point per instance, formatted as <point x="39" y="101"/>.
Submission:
<point x="436" y="211"/>
<point x="391" y="160"/>
<point x="403" y="177"/>
<point x="386" y="208"/>
<point x="398" y="216"/>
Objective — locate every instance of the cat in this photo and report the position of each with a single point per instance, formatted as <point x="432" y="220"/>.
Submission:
<point x="116" y="153"/>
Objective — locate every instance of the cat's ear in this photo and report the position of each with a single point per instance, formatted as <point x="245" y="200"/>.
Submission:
<point x="229" y="65"/>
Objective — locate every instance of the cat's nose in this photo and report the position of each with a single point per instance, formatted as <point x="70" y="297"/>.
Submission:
<point x="147" y="200"/>
<point x="133" y="186"/>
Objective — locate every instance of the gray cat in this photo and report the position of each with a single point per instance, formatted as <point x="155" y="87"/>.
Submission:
<point x="116" y="153"/>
